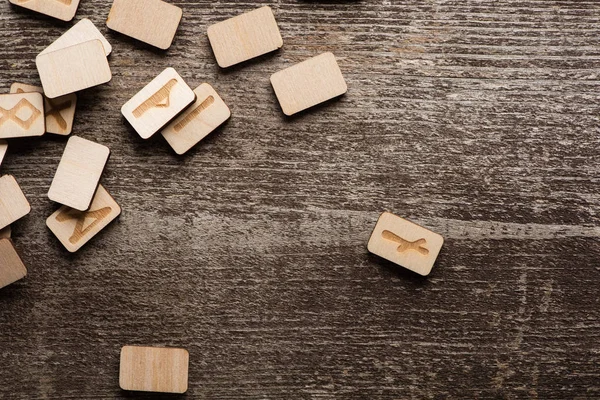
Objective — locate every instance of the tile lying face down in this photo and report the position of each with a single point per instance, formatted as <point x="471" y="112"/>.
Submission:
<point x="59" y="112"/>
<point x="308" y="83"/>
<point x="405" y="243"/>
<point x="73" y="68"/>
<point x="61" y="9"/>
<point x="198" y="120"/>
<point x="158" y="103"/>
<point x="83" y="31"/>
<point x="75" y="228"/>
<point x="154" y="369"/>
<point x="12" y="268"/>
<point x="78" y="173"/>
<point x="244" y="37"/>
<point x="21" y="115"/>
<point x="13" y="204"/>
<point x="150" y="21"/>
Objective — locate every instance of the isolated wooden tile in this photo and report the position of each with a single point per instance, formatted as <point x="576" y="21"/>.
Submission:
<point x="198" y="120"/>
<point x="5" y="233"/>
<point x="59" y="112"/>
<point x="81" y="32"/>
<point x="158" y="103"/>
<point x="61" y="9"/>
<point x="78" y="173"/>
<point x="13" y="204"/>
<point x="11" y="266"/>
<point x="405" y="243"/>
<point x="308" y="83"/>
<point x="73" y="68"/>
<point x="75" y="228"/>
<point x="244" y="37"/>
<point x="21" y="115"/>
<point x="150" y="21"/>
<point x="154" y="369"/>
<point x="3" y="150"/>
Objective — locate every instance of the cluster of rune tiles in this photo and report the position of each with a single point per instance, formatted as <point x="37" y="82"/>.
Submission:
<point x="79" y="60"/>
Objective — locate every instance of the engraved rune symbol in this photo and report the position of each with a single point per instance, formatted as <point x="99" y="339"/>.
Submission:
<point x="11" y="115"/>
<point x="405" y="245"/>
<point x="190" y="117"/>
<point x="160" y="99"/>
<point x="81" y="216"/>
<point x="55" y="110"/>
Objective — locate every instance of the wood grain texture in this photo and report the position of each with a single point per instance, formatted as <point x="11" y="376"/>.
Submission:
<point x="83" y="31"/>
<point x="12" y="268"/>
<point x="475" y="118"/>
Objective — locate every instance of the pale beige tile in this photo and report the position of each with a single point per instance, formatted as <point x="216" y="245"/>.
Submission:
<point x="158" y="103"/>
<point x="59" y="112"/>
<point x="73" y="68"/>
<point x="75" y="228"/>
<point x="154" y="369"/>
<point x="81" y="32"/>
<point x="13" y="204"/>
<point x="12" y="268"/>
<point x="21" y="115"/>
<point x="61" y="9"/>
<point x="3" y="149"/>
<point x="244" y="37"/>
<point x="151" y="21"/>
<point x="78" y="173"/>
<point x="405" y="243"/>
<point x="308" y="83"/>
<point x="198" y="120"/>
<point x="6" y="233"/>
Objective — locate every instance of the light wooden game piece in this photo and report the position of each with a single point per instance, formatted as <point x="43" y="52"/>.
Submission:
<point x="154" y="369"/>
<point x="59" y="112"/>
<point x="61" y="9"/>
<point x="405" y="243"/>
<point x="21" y="115"/>
<point x="158" y="103"/>
<point x="150" y="21"/>
<point x="78" y="173"/>
<point x="12" y="268"/>
<point x="308" y="83"/>
<point x="83" y="31"/>
<point x="73" y="68"/>
<point x="5" y="233"/>
<point x="244" y="37"/>
<point x="75" y="228"/>
<point x="3" y="149"/>
<point x="13" y="204"/>
<point x="201" y="118"/>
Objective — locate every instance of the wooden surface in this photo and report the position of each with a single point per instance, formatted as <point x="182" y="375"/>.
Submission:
<point x="477" y="119"/>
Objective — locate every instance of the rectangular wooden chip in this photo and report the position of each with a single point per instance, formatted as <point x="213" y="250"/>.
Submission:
<point x="61" y="9"/>
<point x="81" y="32"/>
<point x="308" y="83"/>
<point x="21" y="115"/>
<point x="13" y="204"/>
<point x="78" y="173"/>
<point x="244" y="37"/>
<point x="154" y="369"/>
<point x="73" y="68"/>
<point x="11" y="266"/>
<point x="3" y="150"/>
<point x="405" y="243"/>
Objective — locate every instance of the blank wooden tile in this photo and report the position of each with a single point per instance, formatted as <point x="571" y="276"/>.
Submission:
<point x="81" y="32"/>
<point x="150" y="21"/>
<point x="73" y="68"/>
<point x="244" y="37"/>
<point x="61" y="9"/>
<point x="405" y="243"/>
<point x="78" y="173"/>
<point x="5" y="233"/>
<point x="13" y="204"/>
<point x="158" y="103"/>
<point x="12" y="268"/>
<point x="154" y="369"/>
<point x="3" y="150"/>
<point x="59" y="112"/>
<point x="308" y="83"/>
<point x="75" y="228"/>
<point x="21" y="115"/>
<point x="198" y="120"/>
